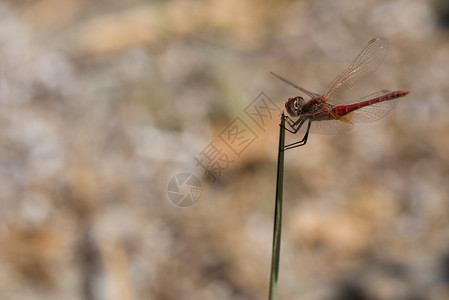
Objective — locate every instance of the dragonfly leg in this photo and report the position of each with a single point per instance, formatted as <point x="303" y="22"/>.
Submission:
<point x="291" y="122"/>
<point x="304" y="139"/>
<point x="294" y="125"/>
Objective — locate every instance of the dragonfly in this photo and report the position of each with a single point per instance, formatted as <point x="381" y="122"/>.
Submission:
<point x="330" y="113"/>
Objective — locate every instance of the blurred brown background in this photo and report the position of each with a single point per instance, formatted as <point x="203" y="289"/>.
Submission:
<point x="103" y="102"/>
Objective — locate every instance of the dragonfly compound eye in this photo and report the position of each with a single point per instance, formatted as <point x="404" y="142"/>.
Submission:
<point x="291" y="107"/>
<point x="299" y="102"/>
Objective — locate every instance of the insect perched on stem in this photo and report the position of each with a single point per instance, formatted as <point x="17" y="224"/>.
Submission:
<point x="330" y="113"/>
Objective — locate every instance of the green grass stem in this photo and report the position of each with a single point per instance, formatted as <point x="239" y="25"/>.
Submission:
<point x="277" y="215"/>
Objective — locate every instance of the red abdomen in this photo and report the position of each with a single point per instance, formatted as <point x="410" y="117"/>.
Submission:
<point x="341" y="110"/>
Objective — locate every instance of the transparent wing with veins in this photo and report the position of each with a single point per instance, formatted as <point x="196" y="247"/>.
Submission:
<point x="365" y="64"/>
<point x="308" y="93"/>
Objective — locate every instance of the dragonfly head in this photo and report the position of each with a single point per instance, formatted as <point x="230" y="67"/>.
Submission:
<point x="294" y="106"/>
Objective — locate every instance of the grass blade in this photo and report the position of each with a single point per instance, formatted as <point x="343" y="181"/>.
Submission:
<point x="277" y="215"/>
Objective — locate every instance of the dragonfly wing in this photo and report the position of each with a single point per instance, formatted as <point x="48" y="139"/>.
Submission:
<point x="308" y="93"/>
<point x="331" y="126"/>
<point x="365" y="64"/>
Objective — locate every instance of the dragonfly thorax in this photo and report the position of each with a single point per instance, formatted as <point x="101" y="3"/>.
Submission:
<point x="294" y="106"/>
